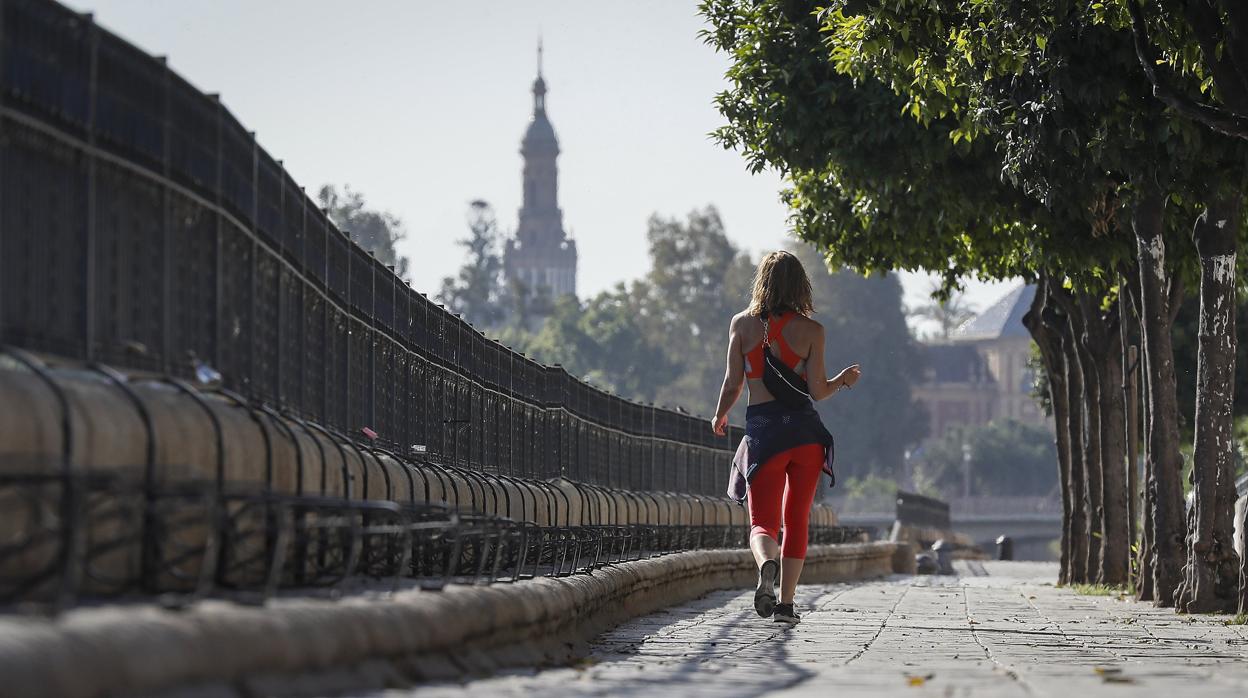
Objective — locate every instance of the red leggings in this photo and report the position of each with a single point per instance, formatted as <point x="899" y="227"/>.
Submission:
<point x="800" y="468"/>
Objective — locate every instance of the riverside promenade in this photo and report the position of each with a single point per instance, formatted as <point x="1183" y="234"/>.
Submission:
<point x="996" y="629"/>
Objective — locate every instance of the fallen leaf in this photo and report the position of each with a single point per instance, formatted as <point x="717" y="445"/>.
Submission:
<point x="918" y="680"/>
<point x="1107" y="670"/>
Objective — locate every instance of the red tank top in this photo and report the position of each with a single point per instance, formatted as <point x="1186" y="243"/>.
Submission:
<point x="779" y="347"/>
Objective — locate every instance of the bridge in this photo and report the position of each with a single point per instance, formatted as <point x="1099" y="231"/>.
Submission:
<point x="1034" y="524"/>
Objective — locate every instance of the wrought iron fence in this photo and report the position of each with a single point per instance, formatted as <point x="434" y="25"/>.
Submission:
<point x="143" y="227"/>
<point x="117" y="484"/>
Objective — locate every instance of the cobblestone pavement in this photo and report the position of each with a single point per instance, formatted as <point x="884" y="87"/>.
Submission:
<point x="998" y="629"/>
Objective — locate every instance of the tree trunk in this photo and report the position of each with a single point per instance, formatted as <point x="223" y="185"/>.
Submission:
<point x="1243" y="565"/>
<point x="1116" y="545"/>
<point x="1077" y="524"/>
<point x="1145" y="552"/>
<point x="1061" y="420"/>
<point x="1211" y="576"/>
<point x="1131" y="402"/>
<point x="1091" y="401"/>
<point x="1103" y="348"/>
<point x="1042" y="322"/>
<point x="1165" y="487"/>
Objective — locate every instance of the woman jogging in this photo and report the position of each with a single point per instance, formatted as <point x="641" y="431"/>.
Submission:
<point x="777" y="350"/>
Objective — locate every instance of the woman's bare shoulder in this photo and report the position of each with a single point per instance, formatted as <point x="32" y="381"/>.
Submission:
<point x="808" y="324"/>
<point x="740" y="320"/>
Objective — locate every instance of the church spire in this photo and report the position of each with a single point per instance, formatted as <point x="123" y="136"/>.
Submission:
<point x="541" y="254"/>
<point x="539" y="85"/>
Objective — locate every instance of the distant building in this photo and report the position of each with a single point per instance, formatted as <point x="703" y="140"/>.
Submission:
<point x="541" y="258"/>
<point x="981" y="374"/>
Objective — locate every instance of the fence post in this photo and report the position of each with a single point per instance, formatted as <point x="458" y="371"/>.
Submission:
<point x="345" y="371"/>
<point x="280" y="343"/>
<point x="303" y="302"/>
<point x="250" y="378"/>
<point x="1005" y="548"/>
<point x="420" y="401"/>
<point x="371" y="415"/>
<point x="218" y="273"/>
<point x="88" y="289"/>
<point x="651" y="442"/>
<point x="166" y="206"/>
<point x="327" y="346"/>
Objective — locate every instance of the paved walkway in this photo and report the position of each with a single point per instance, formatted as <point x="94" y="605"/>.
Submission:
<point x="999" y="629"/>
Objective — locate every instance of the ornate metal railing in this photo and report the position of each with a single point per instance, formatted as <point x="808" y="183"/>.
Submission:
<point x="143" y="227"/>
<point x="113" y="484"/>
<point x="206" y="387"/>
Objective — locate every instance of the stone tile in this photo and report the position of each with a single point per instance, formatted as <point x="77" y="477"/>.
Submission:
<point x="1010" y="633"/>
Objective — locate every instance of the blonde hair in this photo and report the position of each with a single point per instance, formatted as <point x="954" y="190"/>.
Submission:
<point x="781" y="284"/>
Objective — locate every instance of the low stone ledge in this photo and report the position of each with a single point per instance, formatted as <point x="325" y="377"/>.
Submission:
<point x="904" y="561"/>
<point x="305" y="646"/>
<point x="964" y="547"/>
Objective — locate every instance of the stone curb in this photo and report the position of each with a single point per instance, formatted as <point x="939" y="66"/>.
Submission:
<point x="306" y="646"/>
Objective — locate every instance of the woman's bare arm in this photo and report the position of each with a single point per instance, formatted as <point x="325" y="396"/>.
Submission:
<point x="734" y="381"/>
<point x="822" y="387"/>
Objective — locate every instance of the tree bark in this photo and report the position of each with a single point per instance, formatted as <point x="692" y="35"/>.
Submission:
<point x="1104" y="350"/>
<point x="1077" y="523"/>
<point x="1091" y="404"/>
<point x="1165" y="487"/>
<point x="1144" y="553"/>
<point x="1243" y="566"/>
<point x="1116" y="545"/>
<point x="1042" y="322"/>
<point x="1211" y="575"/>
<point x="1131" y="402"/>
<point x="1061" y="420"/>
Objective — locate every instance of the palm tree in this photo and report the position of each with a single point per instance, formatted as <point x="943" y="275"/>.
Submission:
<point x="948" y="315"/>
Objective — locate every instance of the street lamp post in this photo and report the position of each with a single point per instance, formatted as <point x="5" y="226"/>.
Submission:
<point x="907" y="474"/>
<point x="966" y="470"/>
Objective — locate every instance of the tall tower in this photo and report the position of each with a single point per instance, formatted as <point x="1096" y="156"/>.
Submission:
<point x="541" y="257"/>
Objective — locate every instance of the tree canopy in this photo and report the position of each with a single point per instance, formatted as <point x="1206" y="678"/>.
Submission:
<point x="1007" y="458"/>
<point x="376" y="231"/>
<point x="865" y="323"/>
<point x="661" y="338"/>
<point x="1000" y="138"/>
<point x="479" y="292"/>
<point x="1195" y="54"/>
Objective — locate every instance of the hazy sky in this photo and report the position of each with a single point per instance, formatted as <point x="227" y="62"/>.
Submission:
<point x="421" y="104"/>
